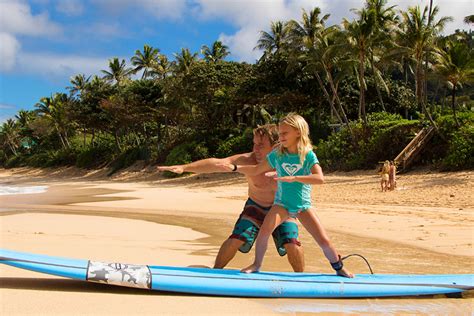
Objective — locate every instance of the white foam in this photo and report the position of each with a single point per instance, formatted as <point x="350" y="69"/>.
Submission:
<point x="9" y="190"/>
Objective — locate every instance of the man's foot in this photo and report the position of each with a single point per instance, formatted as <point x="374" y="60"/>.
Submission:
<point x="345" y="273"/>
<point x="251" y="268"/>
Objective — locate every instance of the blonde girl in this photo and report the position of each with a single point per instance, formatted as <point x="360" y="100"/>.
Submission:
<point x="297" y="168"/>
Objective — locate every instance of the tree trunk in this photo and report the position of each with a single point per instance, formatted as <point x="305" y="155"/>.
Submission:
<point x="61" y="137"/>
<point x="419" y="78"/>
<point x="117" y="141"/>
<point x="334" y="92"/>
<point x="12" y="147"/>
<point x="362" y="88"/>
<point x="84" y="140"/>
<point x="93" y="138"/>
<point x="453" y="106"/>
<point x="379" y="94"/>
<point x="331" y="101"/>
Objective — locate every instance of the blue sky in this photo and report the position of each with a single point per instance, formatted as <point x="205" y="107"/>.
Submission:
<point x="45" y="42"/>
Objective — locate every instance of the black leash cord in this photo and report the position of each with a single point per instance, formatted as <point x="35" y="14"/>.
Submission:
<point x="356" y="254"/>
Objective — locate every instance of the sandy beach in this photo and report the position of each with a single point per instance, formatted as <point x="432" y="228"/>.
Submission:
<point x="137" y="216"/>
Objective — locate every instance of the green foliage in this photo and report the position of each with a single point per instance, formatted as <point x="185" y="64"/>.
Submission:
<point x="236" y="144"/>
<point x="384" y="137"/>
<point x="457" y="150"/>
<point x="128" y="158"/>
<point x="461" y="150"/>
<point x="194" y="108"/>
<point x="185" y="153"/>
<point x="94" y="156"/>
<point x="13" y="161"/>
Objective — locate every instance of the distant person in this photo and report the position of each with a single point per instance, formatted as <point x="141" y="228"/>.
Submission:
<point x="392" y="181"/>
<point x="297" y="168"/>
<point x="261" y="193"/>
<point x="385" y="175"/>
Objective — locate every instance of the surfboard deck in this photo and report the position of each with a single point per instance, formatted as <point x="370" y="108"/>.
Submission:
<point x="230" y="282"/>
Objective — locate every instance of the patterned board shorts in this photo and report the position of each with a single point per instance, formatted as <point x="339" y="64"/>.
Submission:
<point x="247" y="226"/>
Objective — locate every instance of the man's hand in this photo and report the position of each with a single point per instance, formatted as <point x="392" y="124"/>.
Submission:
<point x="176" y="169"/>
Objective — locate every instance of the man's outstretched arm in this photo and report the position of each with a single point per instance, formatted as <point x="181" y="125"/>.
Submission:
<point x="209" y="165"/>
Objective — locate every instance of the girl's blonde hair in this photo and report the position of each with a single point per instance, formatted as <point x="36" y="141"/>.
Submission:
<point x="304" y="143"/>
<point x="386" y="167"/>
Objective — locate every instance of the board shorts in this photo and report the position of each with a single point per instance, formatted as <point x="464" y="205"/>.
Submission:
<point x="248" y="225"/>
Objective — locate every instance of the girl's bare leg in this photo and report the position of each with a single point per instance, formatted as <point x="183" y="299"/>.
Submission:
<point x="273" y="219"/>
<point x="313" y="225"/>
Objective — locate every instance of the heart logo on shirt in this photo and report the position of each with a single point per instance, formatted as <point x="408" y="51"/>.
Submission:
<point x="291" y="169"/>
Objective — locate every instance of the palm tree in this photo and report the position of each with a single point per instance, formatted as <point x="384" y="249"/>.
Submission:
<point x="55" y="110"/>
<point x="161" y="68"/>
<point x="9" y="135"/>
<point x="385" y="24"/>
<point x="455" y="66"/>
<point x="145" y="60"/>
<point x="417" y="37"/>
<point x="79" y="83"/>
<point x="469" y="19"/>
<point x="185" y="60"/>
<point x="273" y="43"/>
<point x="310" y="40"/>
<point x="118" y="71"/>
<point x="360" y="41"/>
<point x="24" y="118"/>
<point x="216" y="53"/>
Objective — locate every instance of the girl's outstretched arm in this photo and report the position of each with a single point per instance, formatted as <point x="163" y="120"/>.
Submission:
<point x="316" y="177"/>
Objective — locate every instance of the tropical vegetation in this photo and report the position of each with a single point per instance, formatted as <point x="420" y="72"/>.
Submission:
<point x="365" y="86"/>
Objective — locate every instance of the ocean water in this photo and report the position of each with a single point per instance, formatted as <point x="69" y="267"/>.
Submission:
<point x="9" y="189"/>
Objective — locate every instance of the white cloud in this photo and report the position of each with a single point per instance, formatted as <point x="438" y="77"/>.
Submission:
<point x="58" y="66"/>
<point x="70" y="7"/>
<point x="6" y="106"/>
<point x="251" y="17"/>
<point x="8" y="51"/>
<point x="16" y="18"/>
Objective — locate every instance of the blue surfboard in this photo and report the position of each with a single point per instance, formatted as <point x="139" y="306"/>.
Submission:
<point x="229" y="282"/>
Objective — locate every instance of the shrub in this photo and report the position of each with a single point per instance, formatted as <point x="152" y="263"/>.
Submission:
<point x="185" y="153"/>
<point x="236" y="144"/>
<point x="93" y="157"/>
<point x="128" y="158"/>
<point x="383" y="139"/>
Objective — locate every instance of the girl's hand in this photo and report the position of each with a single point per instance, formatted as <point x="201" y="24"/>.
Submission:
<point x="286" y="179"/>
<point x="175" y="169"/>
<point x="271" y="174"/>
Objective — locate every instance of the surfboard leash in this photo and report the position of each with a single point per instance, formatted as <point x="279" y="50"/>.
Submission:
<point x="356" y="254"/>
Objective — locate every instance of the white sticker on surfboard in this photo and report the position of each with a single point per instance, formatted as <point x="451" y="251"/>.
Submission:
<point x="129" y="275"/>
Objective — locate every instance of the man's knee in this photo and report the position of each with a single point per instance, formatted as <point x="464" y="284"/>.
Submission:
<point x="293" y="248"/>
<point x="233" y="243"/>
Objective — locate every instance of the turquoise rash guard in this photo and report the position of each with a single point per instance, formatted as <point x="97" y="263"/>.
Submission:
<point x="293" y="196"/>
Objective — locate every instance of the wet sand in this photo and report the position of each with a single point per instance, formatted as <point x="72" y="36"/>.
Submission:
<point x="420" y="228"/>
